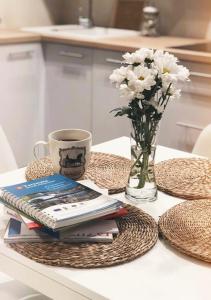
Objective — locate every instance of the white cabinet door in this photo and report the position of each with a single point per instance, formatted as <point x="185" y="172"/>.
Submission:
<point x="68" y="87"/>
<point x="21" y="97"/>
<point x="106" y="98"/>
<point x="184" y="119"/>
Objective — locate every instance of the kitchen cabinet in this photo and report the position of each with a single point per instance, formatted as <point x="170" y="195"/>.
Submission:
<point x="79" y="94"/>
<point x="21" y="113"/>
<point x="53" y="86"/>
<point x="106" y="98"/>
<point x="185" y="118"/>
<point x="68" y="87"/>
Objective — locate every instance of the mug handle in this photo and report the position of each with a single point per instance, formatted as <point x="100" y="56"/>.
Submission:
<point x="36" y="146"/>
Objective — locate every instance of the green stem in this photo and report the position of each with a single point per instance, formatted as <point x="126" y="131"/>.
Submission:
<point x="144" y="171"/>
<point x="137" y="160"/>
<point x="143" y="136"/>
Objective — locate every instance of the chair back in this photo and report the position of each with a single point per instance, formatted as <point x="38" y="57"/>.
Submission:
<point x="203" y="144"/>
<point x="7" y="158"/>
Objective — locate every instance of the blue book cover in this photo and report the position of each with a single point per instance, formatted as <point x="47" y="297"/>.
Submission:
<point x="57" y="201"/>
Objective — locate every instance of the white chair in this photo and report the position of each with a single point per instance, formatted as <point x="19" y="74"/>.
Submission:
<point x="11" y="289"/>
<point x="203" y="144"/>
<point x="7" y="158"/>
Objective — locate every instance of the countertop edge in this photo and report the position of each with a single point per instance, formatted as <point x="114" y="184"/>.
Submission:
<point x="104" y="44"/>
<point x="125" y="44"/>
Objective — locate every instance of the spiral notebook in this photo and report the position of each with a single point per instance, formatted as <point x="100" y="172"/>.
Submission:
<point x="57" y="201"/>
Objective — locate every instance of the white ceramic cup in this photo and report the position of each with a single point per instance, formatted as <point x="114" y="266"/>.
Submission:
<point x="69" y="151"/>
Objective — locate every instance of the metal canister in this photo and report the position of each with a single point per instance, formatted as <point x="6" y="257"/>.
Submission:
<point x="150" y="22"/>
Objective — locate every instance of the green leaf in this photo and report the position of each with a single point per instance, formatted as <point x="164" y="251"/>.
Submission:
<point x="115" y="109"/>
<point x="133" y="153"/>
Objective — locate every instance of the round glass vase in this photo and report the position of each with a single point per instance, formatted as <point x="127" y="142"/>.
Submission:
<point x="141" y="186"/>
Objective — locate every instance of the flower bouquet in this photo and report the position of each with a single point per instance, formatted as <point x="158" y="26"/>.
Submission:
<point x="148" y="81"/>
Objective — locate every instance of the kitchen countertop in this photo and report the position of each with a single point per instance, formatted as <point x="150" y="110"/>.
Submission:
<point x="14" y="36"/>
<point x="130" y="43"/>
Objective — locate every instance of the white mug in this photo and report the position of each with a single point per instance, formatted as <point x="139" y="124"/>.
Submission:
<point x="69" y="151"/>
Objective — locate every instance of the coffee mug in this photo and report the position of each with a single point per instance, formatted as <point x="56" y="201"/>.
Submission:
<point x="69" y="151"/>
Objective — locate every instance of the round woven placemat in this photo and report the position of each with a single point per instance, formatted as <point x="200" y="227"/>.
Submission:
<point x="109" y="171"/>
<point x="187" y="227"/>
<point x="188" y="178"/>
<point x="137" y="234"/>
<point x="106" y="170"/>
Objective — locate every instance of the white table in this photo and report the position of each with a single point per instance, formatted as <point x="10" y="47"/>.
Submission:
<point x="161" y="274"/>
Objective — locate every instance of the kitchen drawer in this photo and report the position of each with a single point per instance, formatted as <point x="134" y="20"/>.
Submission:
<point x="110" y="58"/>
<point x="68" y="89"/>
<point x="67" y="54"/>
<point x="183" y="120"/>
<point x="106" y="98"/>
<point x="200" y="76"/>
<point x="19" y="52"/>
<point x="106" y="62"/>
<point x="22" y="71"/>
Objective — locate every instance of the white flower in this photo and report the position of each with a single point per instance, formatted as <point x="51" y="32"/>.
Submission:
<point x="175" y="96"/>
<point x="126" y="92"/>
<point x="165" y="55"/>
<point x="173" y="92"/>
<point x="183" y="73"/>
<point x="147" y="69"/>
<point x="141" y="78"/>
<point x="138" y="56"/>
<point x="168" y="68"/>
<point x="119" y="75"/>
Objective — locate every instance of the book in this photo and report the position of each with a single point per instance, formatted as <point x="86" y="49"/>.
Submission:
<point x="29" y="222"/>
<point x="120" y="213"/>
<point x="32" y="224"/>
<point x="57" y="201"/>
<point x="12" y="213"/>
<point x="96" y="231"/>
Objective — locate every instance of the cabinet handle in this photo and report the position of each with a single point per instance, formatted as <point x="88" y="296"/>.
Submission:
<point x="70" y="54"/>
<point x="181" y="124"/>
<point x="113" y="61"/>
<point x="199" y="74"/>
<point x="20" y="55"/>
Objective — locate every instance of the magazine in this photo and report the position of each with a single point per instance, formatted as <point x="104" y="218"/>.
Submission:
<point x="96" y="231"/>
<point x="32" y="224"/>
<point x="57" y="201"/>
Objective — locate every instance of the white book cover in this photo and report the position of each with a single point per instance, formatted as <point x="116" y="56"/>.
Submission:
<point x="97" y="231"/>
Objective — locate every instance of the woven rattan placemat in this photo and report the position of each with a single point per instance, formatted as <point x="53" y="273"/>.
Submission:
<point x="187" y="227"/>
<point x="188" y="178"/>
<point x="138" y="234"/>
<point x="109" y="171"/>
<point x="106" y="170"/>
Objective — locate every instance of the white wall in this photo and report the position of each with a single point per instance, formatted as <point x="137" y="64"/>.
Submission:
<point x="191" y="18"/>
<point x="103" y="11"/>
<point x="18" y="13"/>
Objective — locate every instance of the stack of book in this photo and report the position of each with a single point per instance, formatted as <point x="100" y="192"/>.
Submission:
<point x="56" y="208"/>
